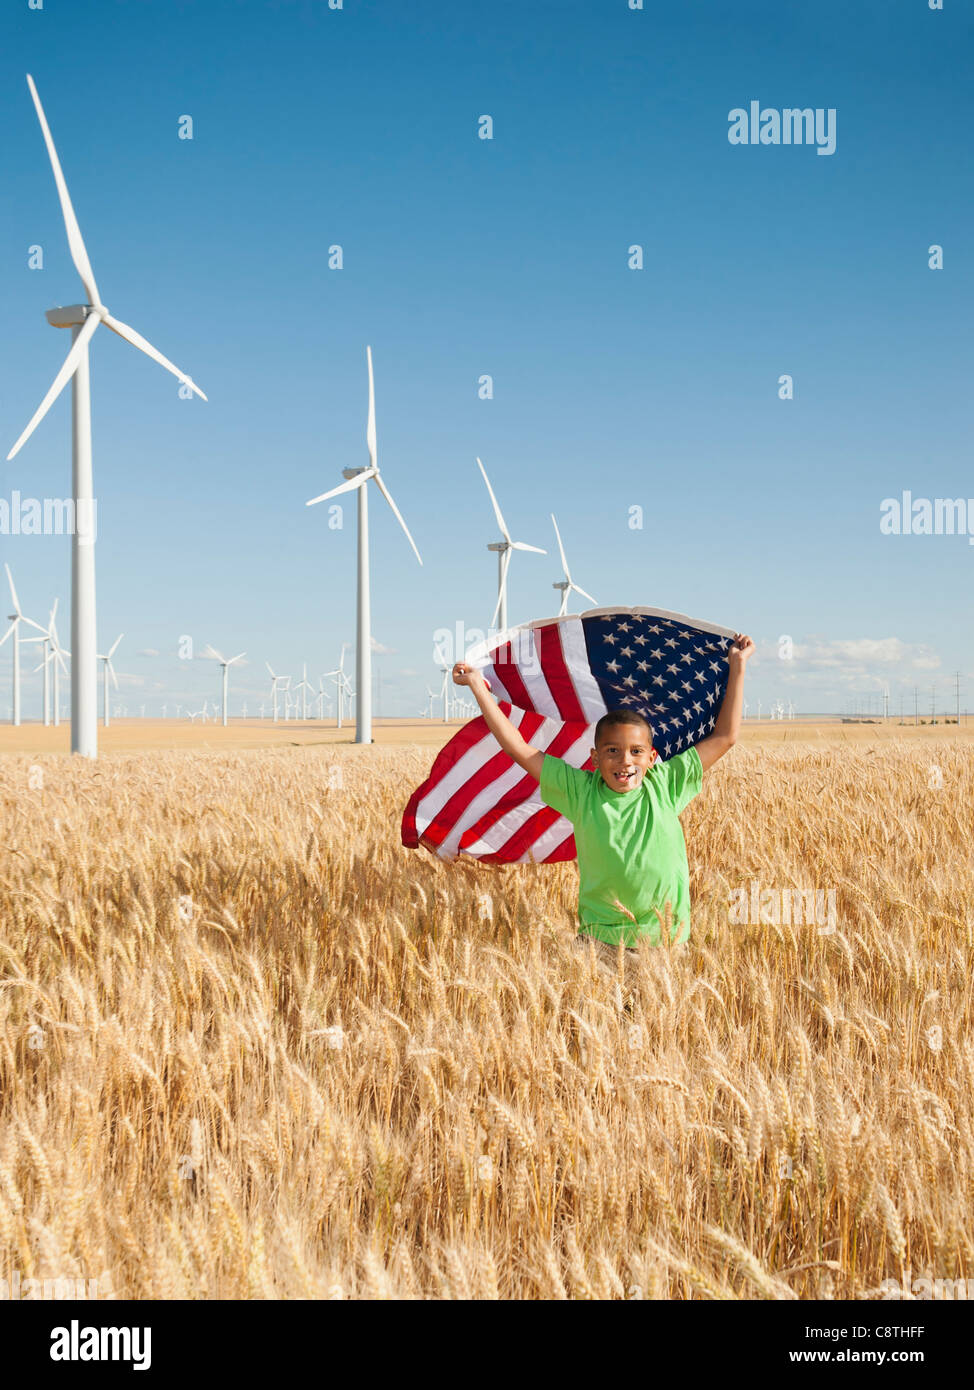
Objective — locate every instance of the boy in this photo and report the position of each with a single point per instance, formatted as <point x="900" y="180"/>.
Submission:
<point x="632" y="857"/>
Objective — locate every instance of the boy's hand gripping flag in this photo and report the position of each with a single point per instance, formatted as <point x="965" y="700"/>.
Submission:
<point x="554" y="679"/>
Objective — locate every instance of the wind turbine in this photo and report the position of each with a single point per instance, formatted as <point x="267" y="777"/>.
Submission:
<point x="57" y="656"/>
<point x="358" y="479"/>
<point x="275" y="682"/>
<point x="109" y="670"/>
<point x="225" y="663"/>
<point x="16" y="618"/>
<point x="304" y="685"/>
<point x="51" y="654"/>
<point x="341" y="681"/>
<point x="445" y="695"/>
<point x="429" y="708"/>
<point x="504" y="549"/>
<point x="83" y="320"/>
<point x="566" y="584"/>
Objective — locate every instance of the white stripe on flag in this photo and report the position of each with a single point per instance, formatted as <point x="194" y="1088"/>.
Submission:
<point x="576" y="659"/>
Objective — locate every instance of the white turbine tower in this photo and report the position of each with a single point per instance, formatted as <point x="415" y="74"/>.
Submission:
<point x="567" y="584"/>
<point x="82" y="319"/>
<point x="16" y="618"/>
<point x="225" y="663"/>
<point x="358" y="478"/>
<point x="109" y="670"/>
<point x="504" y="549"/>
<point x="445" y="693"/>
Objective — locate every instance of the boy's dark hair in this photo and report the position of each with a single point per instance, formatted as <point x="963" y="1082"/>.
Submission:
<point x="614" y="717"/>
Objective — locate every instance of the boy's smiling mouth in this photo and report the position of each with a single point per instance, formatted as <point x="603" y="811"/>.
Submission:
<point x="624" y="779"/>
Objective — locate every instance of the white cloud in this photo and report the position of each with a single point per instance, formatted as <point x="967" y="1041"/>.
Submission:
<point x="378" y="647"/>
<point x="147" y="651"/>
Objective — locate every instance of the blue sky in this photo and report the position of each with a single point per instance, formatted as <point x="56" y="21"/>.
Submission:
<point x="463" y="257"/>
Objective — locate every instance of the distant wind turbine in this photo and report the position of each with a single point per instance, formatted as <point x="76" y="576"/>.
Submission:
<point x="567" y="584"/>
<point x="109" y="670"/>
<point x="304" y="685"/>
<point x="82" y="319"/>
<point x="225" y="663"/>
<point x="52" y="655"/>
<point x="358" y="478"/>
<point x="504" y="549"/>
<point x="16" y="618"/>
<point x="341" y="682"/>
<point x="283" y="681"/>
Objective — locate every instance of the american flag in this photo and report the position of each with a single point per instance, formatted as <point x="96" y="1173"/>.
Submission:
<point x="554" y="679"/>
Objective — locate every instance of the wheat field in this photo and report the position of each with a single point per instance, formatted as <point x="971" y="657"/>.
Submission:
<point x="250" y="1047"/>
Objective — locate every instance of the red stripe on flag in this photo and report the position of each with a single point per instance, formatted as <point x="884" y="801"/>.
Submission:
<point x="558" y="675"/>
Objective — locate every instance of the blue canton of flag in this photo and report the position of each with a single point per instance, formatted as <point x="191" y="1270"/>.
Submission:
<point x="671" y="672"/>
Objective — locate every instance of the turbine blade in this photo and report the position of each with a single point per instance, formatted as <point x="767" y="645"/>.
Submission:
<point x="370" y="427"/>
<point x="78" y="253"/>
<point x="388" y="496"/>
<point x="8" y="633"/>
<point x="348" y="486"/>
<point x="114" y="646"/>
<point x="497" y="511"/>
<point x="561" y="548"/>
<point x="520" y="545"/>
<point x="236" y="658"/>
<point x="211" y="653"/>
<point x="59" y="382"/>
<point x="113" y="675"/>
<point x="136" y="339"/>
<point x="583" y="594"/>
<point x="13" y="591"/>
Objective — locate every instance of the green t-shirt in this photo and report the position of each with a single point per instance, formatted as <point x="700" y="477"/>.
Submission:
<point x="630" y="845"/>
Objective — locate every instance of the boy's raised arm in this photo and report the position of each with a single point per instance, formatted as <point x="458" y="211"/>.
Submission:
<point x="517" y="748"/>
<point x="728" y="723"/>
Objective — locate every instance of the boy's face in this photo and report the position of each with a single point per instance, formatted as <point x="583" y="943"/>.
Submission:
<point x="622" y="755"/>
